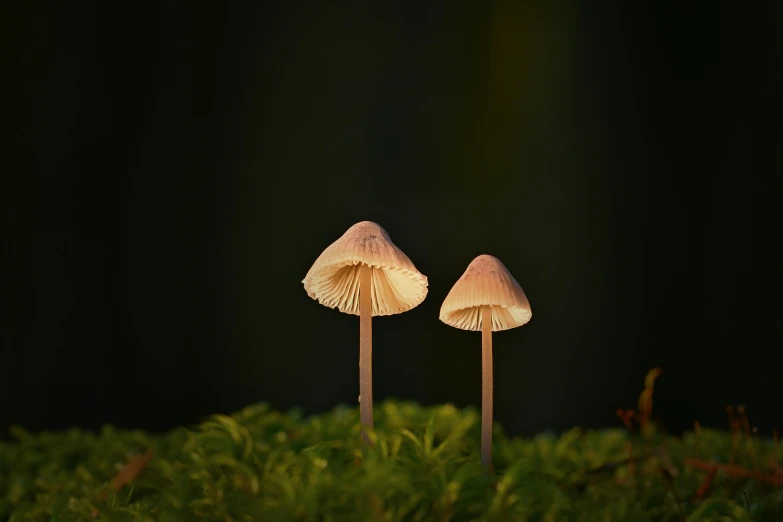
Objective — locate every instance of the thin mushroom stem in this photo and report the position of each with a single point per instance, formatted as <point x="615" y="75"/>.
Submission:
<point x="365" y="348"/>
<point x="486" y="386"/>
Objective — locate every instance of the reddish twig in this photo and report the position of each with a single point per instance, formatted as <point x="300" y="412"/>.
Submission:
<point x="736" y="435"/>
<point x="626" y="417"/>
<point x="646" y="403"/>
<point x="705" y="485"/>
<point x="131" y="470"/>
<point x="734" y="471"/>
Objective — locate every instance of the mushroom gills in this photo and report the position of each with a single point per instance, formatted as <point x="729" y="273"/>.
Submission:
<point x="503" y="317"/>
<point x="393" y="290"/>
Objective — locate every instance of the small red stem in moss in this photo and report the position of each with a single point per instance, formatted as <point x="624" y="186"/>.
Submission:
<point x="734" y="471"/>
<point x="626" y="417"/>
<point x="705" y="485"/>
<point x="131" y="470"/>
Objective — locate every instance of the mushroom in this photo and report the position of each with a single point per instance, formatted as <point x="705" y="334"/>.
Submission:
<point x="486" y="298"/>
<point x="363" y="273"/>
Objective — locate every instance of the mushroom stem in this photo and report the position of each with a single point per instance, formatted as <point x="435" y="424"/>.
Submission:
<point x="365" y="348"/>
<point x="486" y="386"/>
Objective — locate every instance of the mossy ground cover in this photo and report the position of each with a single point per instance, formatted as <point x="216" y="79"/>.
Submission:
<point x="263" y="465"/>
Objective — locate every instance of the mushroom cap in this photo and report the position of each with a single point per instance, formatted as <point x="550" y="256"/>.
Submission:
<point x="333" y="280"/>
<point x="486" y="282"/>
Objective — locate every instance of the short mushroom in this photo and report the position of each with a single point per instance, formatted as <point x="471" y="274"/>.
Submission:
<point x="363" y="273"/>
<point x="486" y="298"/>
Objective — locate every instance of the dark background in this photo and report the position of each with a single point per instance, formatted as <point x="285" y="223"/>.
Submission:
<point x="180" y="168"/>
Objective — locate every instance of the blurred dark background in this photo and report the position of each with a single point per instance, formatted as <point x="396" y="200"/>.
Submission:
<point x="179" y="168"/>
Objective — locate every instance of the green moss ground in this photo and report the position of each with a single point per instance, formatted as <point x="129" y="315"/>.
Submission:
<point x="260" y="464"/>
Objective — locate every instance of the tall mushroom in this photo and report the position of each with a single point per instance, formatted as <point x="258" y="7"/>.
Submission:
<point x="363" y="273"/>
<point x="486" y="298"/>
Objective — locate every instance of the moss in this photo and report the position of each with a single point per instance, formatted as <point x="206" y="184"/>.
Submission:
<point x="262" y="465"/>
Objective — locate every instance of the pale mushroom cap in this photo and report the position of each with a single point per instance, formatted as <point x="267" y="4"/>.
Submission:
<point x="333" y="279"/>
<point x="486" y="282"/>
